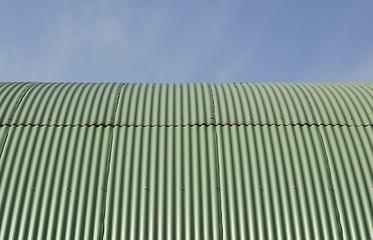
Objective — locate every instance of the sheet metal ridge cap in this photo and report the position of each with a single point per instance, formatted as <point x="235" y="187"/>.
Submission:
<point x="206" y="83"/>
<point x="188" y="125"/>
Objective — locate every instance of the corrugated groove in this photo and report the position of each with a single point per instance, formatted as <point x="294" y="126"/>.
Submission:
<point x="350" y="152"/>
<point x="10" y="95"/>
<point x="216" y="143"/>
<point x="275" y="184"/>
<point x="260" y="165"/>
<point x="331" y="185"/>
<point x="105" y="185"/>
<point x="61" y="103"/>
<point x="11" y="110"/>
<point x="185" y="125"/>
<point x="168" y="104"/>
<point x="168" y="192"/>
<point x="189" y="105"/>
<point x="260" y="104"/>
<point x="50" y="183"/>
<point x="198" y="161"/>
<point x="338" y="103"/>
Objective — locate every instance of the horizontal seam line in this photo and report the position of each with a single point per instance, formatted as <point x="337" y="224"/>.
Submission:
<point x="182" y="125"/>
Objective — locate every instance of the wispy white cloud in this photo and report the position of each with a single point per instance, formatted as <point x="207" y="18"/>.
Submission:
<point x="185" y="41"/>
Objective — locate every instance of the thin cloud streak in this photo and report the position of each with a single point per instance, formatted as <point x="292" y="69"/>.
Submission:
<point x="185" y="42"/>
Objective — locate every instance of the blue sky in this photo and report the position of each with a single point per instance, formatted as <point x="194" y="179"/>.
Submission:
<point x="186" y="41"/>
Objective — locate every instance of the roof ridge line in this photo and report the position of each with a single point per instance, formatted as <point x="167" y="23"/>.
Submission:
<point x="182" y="125"/>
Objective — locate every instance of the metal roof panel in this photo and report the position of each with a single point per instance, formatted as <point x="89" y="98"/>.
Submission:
<point x="68" y="104"/>
<point x="116" y="161"/>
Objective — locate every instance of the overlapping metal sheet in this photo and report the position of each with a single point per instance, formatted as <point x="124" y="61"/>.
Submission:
<point x="10" y="96"/>
<point x="337" y="104"/>
<point x="68" y="104"/>
<point x="165" y="104"/>
<point x="52" y="182"/>
<point x="186" y="161"/>
<point x="163" y="184"/>
<point x="187" y="104"/>
<point x="350" y="154"/>
<point x="275" y="184"/>
<point x="265" y="104"/>
<point x="3" y="136"/>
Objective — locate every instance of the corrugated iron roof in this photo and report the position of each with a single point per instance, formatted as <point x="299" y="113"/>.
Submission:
<point x="186" y="161"/>
<point x="186" y="104"/>
<point x="11" y="94"/>
<point x="68" y="104"/>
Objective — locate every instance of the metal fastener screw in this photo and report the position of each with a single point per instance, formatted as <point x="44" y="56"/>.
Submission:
<point x="146" y="189"/>
<point x="181" y="189"/>
<point x="32" y="189"/>
<point x="260" y="188"/>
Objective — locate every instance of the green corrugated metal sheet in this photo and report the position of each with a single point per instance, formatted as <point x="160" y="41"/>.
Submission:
<point x="261" y="104"/>
<point x="341" y="103"/>
<point x="163" y="184"/>
<point x="186" y="161"/>
<point x="350" y="154"/>
<point x="274" y="184"/>
<point x="10" y="96"/>
<point x="187" y="104"/>
<point x="3" y="136"/>
<point x="68" y="104"/>
<point x="165" y="104"/>
<point x="52" y="182"/>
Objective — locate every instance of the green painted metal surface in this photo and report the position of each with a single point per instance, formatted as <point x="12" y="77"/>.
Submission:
<point x="341" y="103"/>
<point x="350" y="154"/>
<point x="11" y="95"/>
<point x="261" y="104"/>
<point x="165" y="104"/>
<point x="275" y="184"/>
<point x="52" y="182"/>
<point x="163" y="184"/>
<point x="186" y="161"/>
<point x="68" y="104"/>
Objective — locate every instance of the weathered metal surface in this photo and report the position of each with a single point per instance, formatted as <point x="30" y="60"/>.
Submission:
<point x="297" y="168"/>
